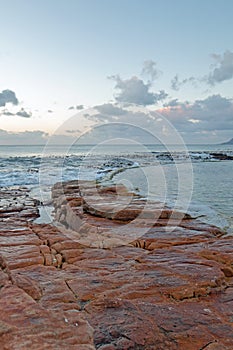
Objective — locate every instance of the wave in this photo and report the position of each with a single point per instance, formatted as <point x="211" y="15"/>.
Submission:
<point x="21" y="170"/>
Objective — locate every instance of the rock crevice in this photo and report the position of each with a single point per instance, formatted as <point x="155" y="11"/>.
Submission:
<point x="162" y="281"/>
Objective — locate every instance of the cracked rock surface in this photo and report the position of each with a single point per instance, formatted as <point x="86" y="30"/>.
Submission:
<point x="73" y="286"/>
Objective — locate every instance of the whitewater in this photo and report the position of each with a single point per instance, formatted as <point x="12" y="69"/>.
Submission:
<point x="151" y="171"/>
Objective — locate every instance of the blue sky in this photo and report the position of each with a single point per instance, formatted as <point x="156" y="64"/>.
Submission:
<point x="55" y="54"/>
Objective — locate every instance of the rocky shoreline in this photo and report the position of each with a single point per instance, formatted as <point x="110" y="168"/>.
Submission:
<point x="113" y="272"/>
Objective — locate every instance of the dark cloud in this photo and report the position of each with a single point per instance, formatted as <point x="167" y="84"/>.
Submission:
<point x="135" y="91"/>
<point x="214" y="104"/>
<point x="23" y="113"/>
<point x="223" y="70"/>
<point x="149" y="69"/>
<point x="213" y="113"/>
<point x="8" y="96"/>
<point x="50" y="111"/>
<point x="204" y="119"/>
<point x="117" y="117"/>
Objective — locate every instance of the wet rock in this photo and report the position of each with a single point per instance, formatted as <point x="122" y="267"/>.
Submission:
<point x="166" y="283"/>
<point x="221" y="156"/>
<point x="16" y="203"/>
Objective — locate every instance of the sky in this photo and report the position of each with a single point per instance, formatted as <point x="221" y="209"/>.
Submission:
<point x="59" y="58"/>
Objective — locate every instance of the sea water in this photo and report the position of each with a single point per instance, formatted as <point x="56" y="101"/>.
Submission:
<point x="206" y="182"/>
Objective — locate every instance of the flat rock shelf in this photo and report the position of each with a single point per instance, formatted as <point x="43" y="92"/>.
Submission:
<point x="114" y="271"/>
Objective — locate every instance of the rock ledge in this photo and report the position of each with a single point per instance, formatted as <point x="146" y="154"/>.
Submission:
<point x="169" y="288"/>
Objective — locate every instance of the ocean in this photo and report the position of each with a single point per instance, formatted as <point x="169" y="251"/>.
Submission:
<point x="197" y="180"/>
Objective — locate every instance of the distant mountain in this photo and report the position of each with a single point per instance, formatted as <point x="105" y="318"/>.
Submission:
<point x="230" y="142"/>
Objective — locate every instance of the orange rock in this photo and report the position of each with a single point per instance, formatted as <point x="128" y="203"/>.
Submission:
<point x="66" y="245"/>
<point x="49" y="259"/>
<point x="161" y="290"/>
<point x="44" y="249"/>
<point x="228" y="271"/>
<point x="59" y="260"/>
<point x="28" y="285"/>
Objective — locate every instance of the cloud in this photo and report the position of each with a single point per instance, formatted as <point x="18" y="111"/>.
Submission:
<point x="23" y="113"/>
<point x="149" y="69"/>
<point x="137" y="124"/>
<point x="110" y="109"/>
<point x="111" y="133"/>
<point x="214" y="104"/>
<point x="75" y="131"/>
<point x="50" y="111"/>
<point x="212" y="113"/>
<point x="172" y="103"/>
<point x="204" y="120"/>
<point x="176" y="84"/>
<point x="37" y="137"/>
<point x="23" y="138"/>
<point x="135" y="91"/>
<point x="78" y="107"/>
<point x="223" y="70"/>
<point x="6" y="113"/>
<point x="8" y="96"/>
<point x="110" y="121"/>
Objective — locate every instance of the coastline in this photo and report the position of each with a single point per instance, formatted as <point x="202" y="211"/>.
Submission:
<point x="211" y="199"/>
<point x="212" y="164"/>
<point x="156" y="288"/>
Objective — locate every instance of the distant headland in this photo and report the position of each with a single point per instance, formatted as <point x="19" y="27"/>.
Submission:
<point x="230" y="142"/>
